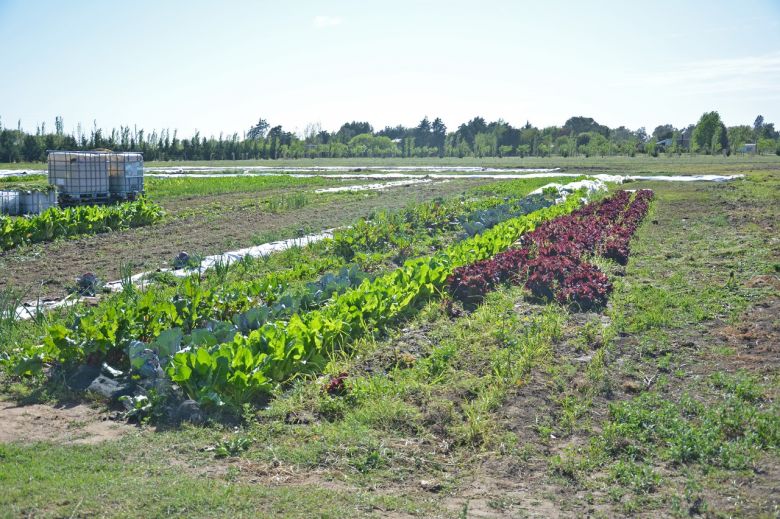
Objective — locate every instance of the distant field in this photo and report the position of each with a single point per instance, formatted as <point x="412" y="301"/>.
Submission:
<point x="684" y="164"/>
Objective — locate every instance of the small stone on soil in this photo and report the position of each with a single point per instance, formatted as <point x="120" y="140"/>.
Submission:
<point x="189" y="411"/>
<point x="430" y="485"/>
<point x="109" y="388"/>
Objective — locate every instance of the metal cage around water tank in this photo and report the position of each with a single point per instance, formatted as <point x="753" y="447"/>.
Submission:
<point x="84" y="177"/>
<point x="36" y="202"/>
<point x="126" y="175"/>
<point x="15" y="202"/>
<point x="9" y="202"/>
<point x="79" y="176"/>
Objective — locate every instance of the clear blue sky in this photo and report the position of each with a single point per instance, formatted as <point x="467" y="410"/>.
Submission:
<point x="219" y="66"/>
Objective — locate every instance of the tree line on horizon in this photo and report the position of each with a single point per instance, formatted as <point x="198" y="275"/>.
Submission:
<point x="579" y="136"/>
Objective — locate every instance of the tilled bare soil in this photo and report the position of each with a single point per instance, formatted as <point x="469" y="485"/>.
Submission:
<point x="48" y="270"/>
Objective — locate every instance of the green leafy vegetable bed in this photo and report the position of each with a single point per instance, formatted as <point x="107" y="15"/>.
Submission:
<point x="243" y="294"/>
<point x="74" y="221"/>
<point x="241" y="370"/>
<point x="229" y="361"/>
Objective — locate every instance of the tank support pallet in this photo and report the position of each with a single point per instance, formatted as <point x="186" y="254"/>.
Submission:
<point x="126" y="197"/>
<point x="98" y="199"/>
<point x="83" y="199"/>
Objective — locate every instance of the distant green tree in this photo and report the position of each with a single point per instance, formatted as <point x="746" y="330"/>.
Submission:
<point x="395" y="132"/>
<point x="275" y="138"/>
<point x="485" y="144"/>
<point x="578" y="125"/>
<point x="31" y="149"/>
<point x="758" y="124"/>
<point x="716" y="146"/>
<point x="675" y="146"/>
<point x="349" y="130"/>
<point x="768" y="131"/>
<point x="663" y="131"/>
<point x="408" y="147"/>
<point x="529" y="136"/>
<point x="368" y="145"/>
<point x="766" y="146"/>
<point x="592" y="144"/>
<point x="709" y="134"/>
<point x="9" y="145"/>
<point x="651" y="147"/>
<point x="564" y="146"/>
<point x="468" y="131"/>
<point x="459" y="147"/>
<point x="422" y="134"/>
<point x="258" y="130"/>
<point x="740" y="135"/>
<point x="338" y="149"/>
<point x="764" y="129"/>
<point x="438" y="135"/>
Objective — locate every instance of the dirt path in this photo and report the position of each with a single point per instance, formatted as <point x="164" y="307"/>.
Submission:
<point x="69" y="424"/>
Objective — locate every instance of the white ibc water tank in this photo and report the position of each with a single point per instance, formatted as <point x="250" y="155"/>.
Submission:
<point x="126" y="174"/>
<point x="36" y="202"/>
<point x="79" y="174"/>
<point x="9" y="203"/>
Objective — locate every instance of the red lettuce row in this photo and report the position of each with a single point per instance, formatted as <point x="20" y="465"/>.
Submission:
<point x="551" y="261"/>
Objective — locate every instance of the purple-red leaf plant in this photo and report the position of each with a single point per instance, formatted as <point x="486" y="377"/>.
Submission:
<point x="551" y="261"/>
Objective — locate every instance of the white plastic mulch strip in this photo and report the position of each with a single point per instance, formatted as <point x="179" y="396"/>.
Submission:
<point x="344" y="169"/>
<point x="398" y="172"/>
<point x="21" y="172"/>
<point x="564" y="190"/>
<point x="442" y="176"/>
<point x="376" y="187"/>
<point x="255" y="252"/>
<point x="374" y="176"/>
<point x="31" y="309"/>
<point x="227" y="258"/>
<point x="686" y="178"/>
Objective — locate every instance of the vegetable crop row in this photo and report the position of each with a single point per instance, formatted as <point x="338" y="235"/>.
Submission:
<point x="105" y="332"/>
<point x="209" y="311"/>
<point x="552" y="260"/>
<point x="250" y="366"/>
<point x="73" y="221"/>
<point x="399" y="230"/>
<point x="315" y="294"/>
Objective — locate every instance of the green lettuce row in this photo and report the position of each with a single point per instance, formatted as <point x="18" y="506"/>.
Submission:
<point x="240" y="371"/>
